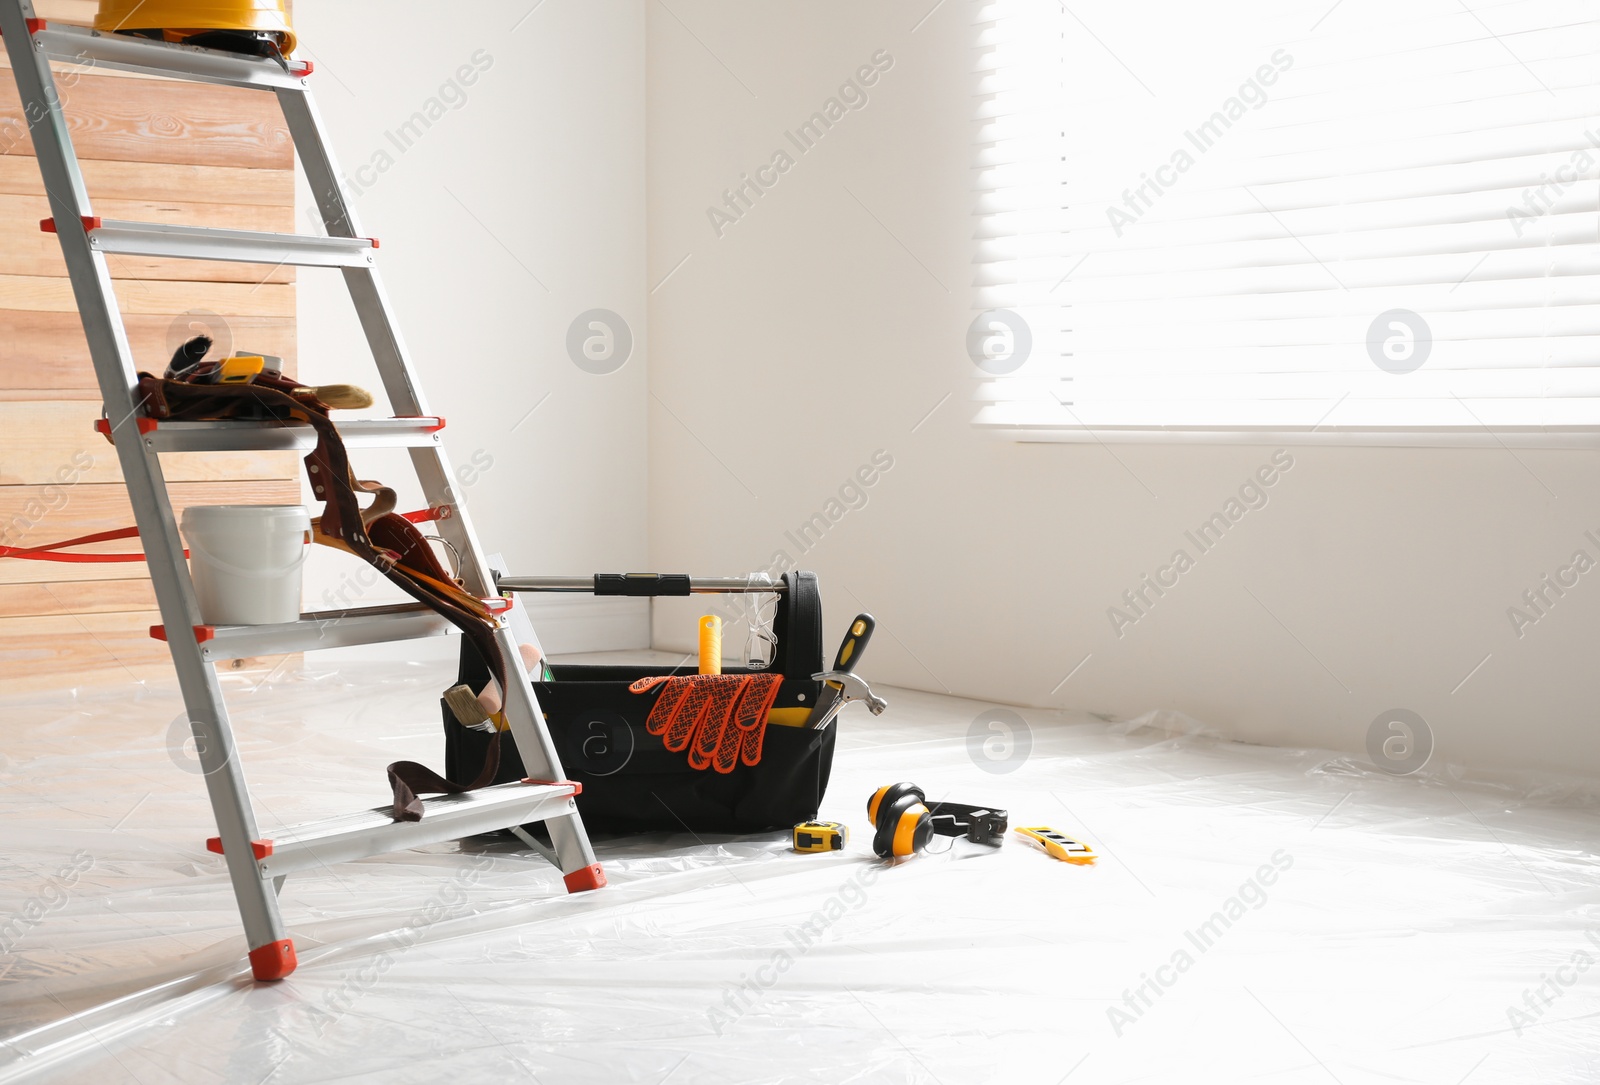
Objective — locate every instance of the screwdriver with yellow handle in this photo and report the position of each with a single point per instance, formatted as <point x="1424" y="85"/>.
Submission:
<point x="855" y="642"/>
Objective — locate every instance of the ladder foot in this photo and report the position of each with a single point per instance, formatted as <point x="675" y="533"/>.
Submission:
<point x="590" y="877"/>
<point x="276" y="960"/>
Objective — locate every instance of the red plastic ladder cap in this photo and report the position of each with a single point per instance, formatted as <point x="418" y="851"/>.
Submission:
<point x="590" y="877"/>
<point x="260" y="848"/>
<point x="274" y="960"/>
<point x="202" y="633"/>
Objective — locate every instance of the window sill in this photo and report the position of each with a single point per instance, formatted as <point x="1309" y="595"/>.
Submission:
<point x="1518" y="437"/>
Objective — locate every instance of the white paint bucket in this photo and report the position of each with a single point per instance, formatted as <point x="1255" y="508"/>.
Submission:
<point x="246" y="560"/>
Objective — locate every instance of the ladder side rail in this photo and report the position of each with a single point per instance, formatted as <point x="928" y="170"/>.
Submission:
<point x="339" y="219"/>
<point x="388" y="347"/>
<point x="539" y="759"/>
<point x="158" y="529"/>
<point x="523" y="714"/>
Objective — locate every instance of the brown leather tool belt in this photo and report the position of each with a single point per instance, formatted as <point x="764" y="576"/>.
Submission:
<point x="377" y="535"/>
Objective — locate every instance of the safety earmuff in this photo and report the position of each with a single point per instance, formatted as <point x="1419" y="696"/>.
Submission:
<point x="901" y="821"/>
<point x="904" y="822"/>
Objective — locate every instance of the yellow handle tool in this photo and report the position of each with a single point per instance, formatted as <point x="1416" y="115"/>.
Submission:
<point x="830" y="700"/>
<point x="710" y="644"/>
<point x="1058" y="845"/>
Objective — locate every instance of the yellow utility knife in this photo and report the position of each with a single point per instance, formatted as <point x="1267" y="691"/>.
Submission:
<point x="1058" y="845"/>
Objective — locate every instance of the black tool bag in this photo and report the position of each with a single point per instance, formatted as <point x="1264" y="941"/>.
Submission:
<point x="631" y="782"/>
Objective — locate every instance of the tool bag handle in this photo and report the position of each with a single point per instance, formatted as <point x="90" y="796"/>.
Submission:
<point x="642" y="584"/>
<point x="798" y="621"/>
<point x="799" y="626"/>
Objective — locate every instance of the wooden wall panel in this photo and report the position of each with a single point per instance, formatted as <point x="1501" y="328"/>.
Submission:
<point x="48" y="441"/>
<point x="79" y="649"/>
<point x="158" y="120"/>
<point x="25" y="249"/>
<point x="74" y="650"/>
<point x="40" y="572"/>
<point x="45" y="355"/>
<point x="151" y="150"/>
<point x="19" y="175"/>
<point x="67" y="11"/>
<point x="145" y="297"/>
<point x="33" y="515"/>
<point x="66" y="597"/>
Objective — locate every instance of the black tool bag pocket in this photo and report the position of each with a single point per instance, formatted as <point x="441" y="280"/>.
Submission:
<point x="632" y="782"/>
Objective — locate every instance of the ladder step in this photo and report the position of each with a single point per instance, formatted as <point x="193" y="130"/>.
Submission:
<point x="277" y="437"/>
<point x="232" y="246"/>
<point x="317" y="630"/>
<point x="448" y="817"/>
<point x="78" y="45"/>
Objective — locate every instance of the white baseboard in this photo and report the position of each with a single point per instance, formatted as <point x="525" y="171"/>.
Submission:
<point x="582" y="623"/>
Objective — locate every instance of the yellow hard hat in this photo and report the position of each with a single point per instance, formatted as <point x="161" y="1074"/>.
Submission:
<point x="181" y="19"/>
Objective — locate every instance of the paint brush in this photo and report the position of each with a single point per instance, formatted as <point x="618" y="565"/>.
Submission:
<point x="470" y="712"/>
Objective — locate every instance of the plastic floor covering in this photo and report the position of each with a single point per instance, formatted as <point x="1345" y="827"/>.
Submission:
<point x="1256" y="915"/>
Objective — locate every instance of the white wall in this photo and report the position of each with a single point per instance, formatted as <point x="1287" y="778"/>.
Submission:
<point x="519" y="208"/>
<point x="828" y="322"/>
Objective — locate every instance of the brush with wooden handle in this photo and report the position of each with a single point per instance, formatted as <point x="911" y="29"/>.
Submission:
<point x="481" y="711"/>
<point x="344" y="397"/>
<point x="469" y="711"/>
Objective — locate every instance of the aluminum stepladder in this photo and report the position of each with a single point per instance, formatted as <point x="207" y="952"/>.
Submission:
<point x="258" y="866"/>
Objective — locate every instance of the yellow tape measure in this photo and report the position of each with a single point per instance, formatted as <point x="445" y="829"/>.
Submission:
<point x="1058" y="845"/>
<point x="241" y="369"/>
<point x="821" y="836"/>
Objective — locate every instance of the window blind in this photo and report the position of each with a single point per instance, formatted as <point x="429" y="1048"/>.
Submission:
<point x="1246" y="218"/>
